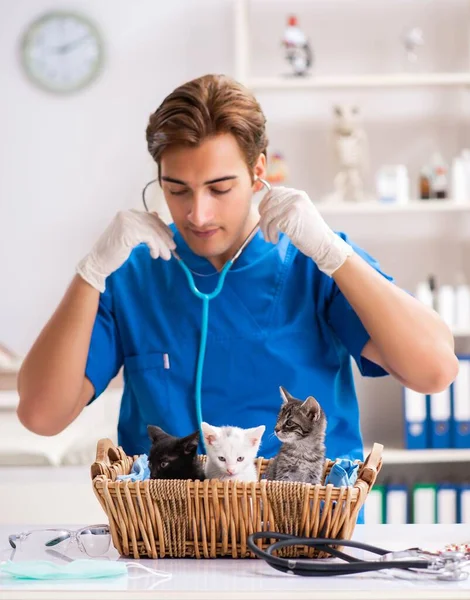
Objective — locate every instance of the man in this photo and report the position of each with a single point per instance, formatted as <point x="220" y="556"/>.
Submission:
<point x="296" y="305"/>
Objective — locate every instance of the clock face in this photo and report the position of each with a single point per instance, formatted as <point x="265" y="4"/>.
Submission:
<point x="62" y="52"/>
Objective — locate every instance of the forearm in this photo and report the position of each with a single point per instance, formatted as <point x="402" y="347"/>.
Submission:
<point x="411" y="339"/>
<point x="51" y="378"/>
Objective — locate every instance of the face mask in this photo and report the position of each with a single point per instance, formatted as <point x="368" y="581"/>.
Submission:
<point x="77" y="569"/>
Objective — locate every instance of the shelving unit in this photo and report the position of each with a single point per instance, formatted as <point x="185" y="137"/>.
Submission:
<point x="422" y="220"/>
<point x="415" y="206"/>
<point x="356" y="81"/>
<point x="399" y="456"/>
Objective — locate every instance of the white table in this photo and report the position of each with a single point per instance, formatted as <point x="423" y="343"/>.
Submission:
<point x="252" y="579"/>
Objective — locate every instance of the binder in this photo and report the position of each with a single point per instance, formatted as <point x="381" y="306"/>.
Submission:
<point x="460" y="423"/>
<point x="463" y="512"/>
<point x="440" y="415"/>
<point x="374" y="508"/>
<point x="416" y="423"/>
<point x="447" y="504"/>
<point x="396" y="505"/>
<point x="424" y="504"/>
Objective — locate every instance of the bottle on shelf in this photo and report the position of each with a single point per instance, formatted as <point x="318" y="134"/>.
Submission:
<point x="425" y="292"/>
<point x="462" y="303"/>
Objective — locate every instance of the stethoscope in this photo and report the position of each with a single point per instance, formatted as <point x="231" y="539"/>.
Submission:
<point x="206" y="298"/>
<point x="412" y="563"/>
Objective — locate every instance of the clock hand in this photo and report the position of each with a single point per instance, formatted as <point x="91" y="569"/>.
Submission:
<point x="70" y="45"/>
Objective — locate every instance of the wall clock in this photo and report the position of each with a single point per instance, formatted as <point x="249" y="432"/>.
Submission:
<point x="62" y="52"/>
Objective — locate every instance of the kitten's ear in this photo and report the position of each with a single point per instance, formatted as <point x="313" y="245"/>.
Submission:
<point x="255" y="434"/>
<point x="311" y="408"/>
<point x="155" y="432"/>
<point x="210" y="433"/>
<point x="286" y="397"/>
<point x="190" y="442"/>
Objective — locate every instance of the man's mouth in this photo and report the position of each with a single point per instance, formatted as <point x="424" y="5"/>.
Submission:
<point x="206" y="233"/>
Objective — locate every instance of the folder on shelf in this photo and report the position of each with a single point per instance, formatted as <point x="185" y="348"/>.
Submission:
<point x="447" y="500"/>
<point x="416" y="422"/>
<point x="424" y="504"/>
<point x="396" y="503"/>
<point x="440" y="419"/>
<point x="461" y="405"/>
<point x="374" y="508"/>
<point x="463" y="510"/>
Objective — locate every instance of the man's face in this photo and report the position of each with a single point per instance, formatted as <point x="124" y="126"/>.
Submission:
<point x="208" y="190"/>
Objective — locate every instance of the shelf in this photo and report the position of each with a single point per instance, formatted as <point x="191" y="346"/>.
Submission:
<point x="396" y="456"/>
<point x="359" y="81"/>
<point x="416" y="206"/>
<point x="461" y="333"/>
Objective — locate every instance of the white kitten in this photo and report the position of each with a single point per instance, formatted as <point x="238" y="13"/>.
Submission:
<point x="231" y="452"/>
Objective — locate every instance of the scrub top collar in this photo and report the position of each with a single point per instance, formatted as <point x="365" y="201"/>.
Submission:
<point x="255" y="250"/>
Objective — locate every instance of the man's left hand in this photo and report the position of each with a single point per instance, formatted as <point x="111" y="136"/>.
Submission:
<point x="293" y="213"/>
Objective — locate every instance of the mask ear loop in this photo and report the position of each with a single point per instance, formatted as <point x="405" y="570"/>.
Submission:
<point x="163" y="574"/>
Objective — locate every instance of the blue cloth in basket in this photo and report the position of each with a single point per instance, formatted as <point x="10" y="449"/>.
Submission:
<point x="140" y="470"/>
<point x="343" y="472"/>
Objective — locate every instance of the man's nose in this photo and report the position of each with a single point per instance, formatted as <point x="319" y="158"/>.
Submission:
<point x="202" y="212"/>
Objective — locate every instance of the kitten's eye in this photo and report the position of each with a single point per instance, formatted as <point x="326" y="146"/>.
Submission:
<point x="164" y="464"/>
<point x="240" y="459"/>
<point x="221" y="458"/>
<point x="289" y="422"/>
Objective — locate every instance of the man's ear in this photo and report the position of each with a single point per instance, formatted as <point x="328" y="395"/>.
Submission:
<point x="259" y="172"/>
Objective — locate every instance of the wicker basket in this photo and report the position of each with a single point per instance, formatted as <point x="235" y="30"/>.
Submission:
<point x="210" y="519"/>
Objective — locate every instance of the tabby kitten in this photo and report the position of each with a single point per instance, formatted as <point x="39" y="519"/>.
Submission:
<point x="301" y="427"/>
<point x="172" y="457"/>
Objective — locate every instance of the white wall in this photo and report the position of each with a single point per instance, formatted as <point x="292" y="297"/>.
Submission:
<point x="68" y="164"/>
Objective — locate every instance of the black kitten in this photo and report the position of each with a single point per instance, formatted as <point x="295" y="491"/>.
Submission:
<point x="172" y="457"/>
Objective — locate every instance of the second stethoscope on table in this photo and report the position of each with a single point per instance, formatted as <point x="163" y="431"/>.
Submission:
<point x="206" y="298"/>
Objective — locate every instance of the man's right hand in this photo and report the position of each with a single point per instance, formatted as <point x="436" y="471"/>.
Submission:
<point x="127" y="230"/>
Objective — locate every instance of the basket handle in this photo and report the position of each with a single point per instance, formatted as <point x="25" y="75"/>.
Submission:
<point x="106" y="454"/>
<point x="372" y="465"/>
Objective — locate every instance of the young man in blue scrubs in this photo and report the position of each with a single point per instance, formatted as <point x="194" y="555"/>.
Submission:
<point x="296" y="306"/>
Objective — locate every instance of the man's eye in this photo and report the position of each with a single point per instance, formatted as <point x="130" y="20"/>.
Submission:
<point x="220" y="192"/>
<point x="178" y="193"/>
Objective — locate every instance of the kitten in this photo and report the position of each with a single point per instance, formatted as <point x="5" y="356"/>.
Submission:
<point x="301" y="429"/>
<point x="172" y="457"/>
<point x="231" y="452"/>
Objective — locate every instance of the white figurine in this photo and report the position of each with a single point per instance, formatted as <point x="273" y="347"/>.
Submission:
<point x="297" y="46"/>
<point x="412" y="39"/>
<point x="351" y="151"/>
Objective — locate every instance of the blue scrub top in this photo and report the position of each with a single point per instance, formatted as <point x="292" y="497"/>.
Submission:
<point x="278" y="321"/>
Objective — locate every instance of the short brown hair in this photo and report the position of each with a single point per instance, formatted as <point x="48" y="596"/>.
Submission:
<point x="205" y="107"/>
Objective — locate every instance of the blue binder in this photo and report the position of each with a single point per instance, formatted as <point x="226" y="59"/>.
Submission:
<point x="416" y="421"/>
<point x="440" y="419"/>
<point x="460" y="424"/>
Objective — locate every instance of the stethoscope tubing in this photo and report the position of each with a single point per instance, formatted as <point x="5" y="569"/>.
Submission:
<point x="319" y="568"/>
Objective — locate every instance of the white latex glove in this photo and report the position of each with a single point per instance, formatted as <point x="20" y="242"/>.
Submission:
<point x="128" y="229"/>
<point x="292" y="212"/>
